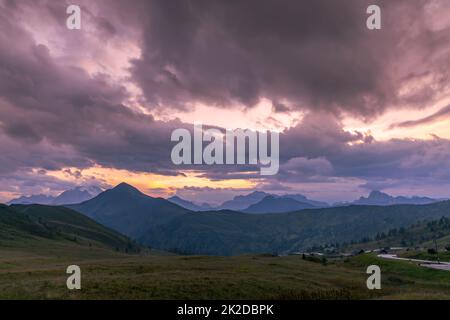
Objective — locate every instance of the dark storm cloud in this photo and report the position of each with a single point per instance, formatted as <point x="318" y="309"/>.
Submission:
<point x="315" y="54"/>
<point x="47" y="107"/>
<point x="32" y="182"/>
<point x="17" y="154"/>
<point x="319" y="148"/>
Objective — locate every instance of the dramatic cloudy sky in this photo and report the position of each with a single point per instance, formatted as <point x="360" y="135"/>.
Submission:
<point x="356" y="109"/>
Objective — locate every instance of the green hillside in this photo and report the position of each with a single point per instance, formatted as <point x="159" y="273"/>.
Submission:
<point x="34" y="223"/>
<point x="230" y="233"/>
<point x="419" y="241"/>
<point x="14" y="225"/>
<point x="420" y="235"/>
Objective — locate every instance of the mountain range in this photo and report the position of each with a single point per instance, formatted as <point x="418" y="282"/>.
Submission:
<point x="232" y="233"/>
<point x="160" y="224"/>
<point x="190" y="205"/>
<point x="76" y="195"/>
<point x="242" y="202"/>
<point x="164" y="225"/>
<point x="256" y="202"/>
<point x="273" y="204"/>
<point x="378" y="198"/>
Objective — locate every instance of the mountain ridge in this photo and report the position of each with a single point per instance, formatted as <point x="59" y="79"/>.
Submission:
<point x="71" y="196"/>
<point x="158" y="223"/>
<point x="383" y="199"/>
<point x="127" y="210"/>
<point x="244" y="202"/>
<point x="234" y="233"/>
<point x="189" y="204"/>
<point x="272" y="204"/>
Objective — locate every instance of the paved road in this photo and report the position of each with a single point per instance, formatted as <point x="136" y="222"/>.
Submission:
<point x="424" y="263"/>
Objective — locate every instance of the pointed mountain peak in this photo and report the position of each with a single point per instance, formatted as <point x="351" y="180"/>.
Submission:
<point x="378" y="194"/>
<point x="254" y="194"/>
<point x="125" y="187"/>
<point x="258" y="193"/>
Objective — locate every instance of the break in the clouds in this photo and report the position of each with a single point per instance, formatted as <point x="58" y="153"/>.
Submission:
<point x="109" y="95"/>
<point x="441" y="114"/>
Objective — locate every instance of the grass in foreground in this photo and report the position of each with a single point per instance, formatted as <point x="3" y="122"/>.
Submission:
<point x="39" y="273"/>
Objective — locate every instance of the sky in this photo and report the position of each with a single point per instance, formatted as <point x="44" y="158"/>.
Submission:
<point x="357" y="109"/>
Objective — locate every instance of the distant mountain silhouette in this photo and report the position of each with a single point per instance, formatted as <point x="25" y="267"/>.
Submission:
<point x="302" y="198"/>
<point x="77" y="195"/>
<point x="72" y="196"/>
<point x="33" y="199"/>
<point x="129" y="211"/>
<point x="378" y="198"/>
<point x="272" y="204"/>
<point x="243" y="202"/>
<point x="190" y="205"/>
<point x="250" y="203"/>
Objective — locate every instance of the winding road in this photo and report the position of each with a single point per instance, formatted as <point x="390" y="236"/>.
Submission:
<point x="424" y="263"/>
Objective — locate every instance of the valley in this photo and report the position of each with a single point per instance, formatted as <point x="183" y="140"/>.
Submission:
<point x="169" y="252"/>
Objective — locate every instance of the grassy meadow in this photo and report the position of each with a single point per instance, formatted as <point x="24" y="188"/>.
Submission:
<point x="36" y="270"/>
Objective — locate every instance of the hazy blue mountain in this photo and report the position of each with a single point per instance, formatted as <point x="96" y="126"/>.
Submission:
<point x="76" y="195"/>
<point x="243" y="202"/>
<point x="190" y="205"/>
<point x="302" y="198"/>
<point x="72" y="196"/>
<point x="34" y="199"/>
<point x="127" y="210"/>
<point x="378" y="198"/>
<point x="273" y="204"/>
